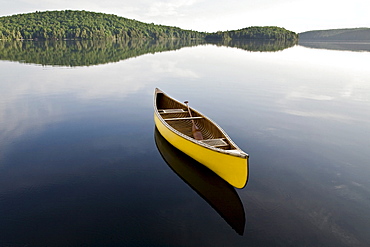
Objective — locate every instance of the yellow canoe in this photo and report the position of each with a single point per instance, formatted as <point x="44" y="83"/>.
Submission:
<point x="216" y="150"/>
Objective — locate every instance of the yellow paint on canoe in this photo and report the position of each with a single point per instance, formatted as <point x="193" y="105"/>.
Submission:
<point x="232" y="168"/>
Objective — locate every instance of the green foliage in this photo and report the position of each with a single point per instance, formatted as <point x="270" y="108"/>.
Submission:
<point x="72" y="53"/>
<point x="255" y="33"/>
<point x="256" y="45"/>
<point x="70" y="24"/>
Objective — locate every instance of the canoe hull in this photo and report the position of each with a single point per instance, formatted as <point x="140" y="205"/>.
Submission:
<point x="233" y="169"/>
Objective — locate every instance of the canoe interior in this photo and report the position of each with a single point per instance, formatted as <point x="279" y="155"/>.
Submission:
<point x="171" y="110"/>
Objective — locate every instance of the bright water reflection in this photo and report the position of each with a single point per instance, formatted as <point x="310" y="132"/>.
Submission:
<point x="79" y="164"/>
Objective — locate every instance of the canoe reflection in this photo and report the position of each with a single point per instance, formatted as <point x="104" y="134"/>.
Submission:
<point x="217" y="192"/>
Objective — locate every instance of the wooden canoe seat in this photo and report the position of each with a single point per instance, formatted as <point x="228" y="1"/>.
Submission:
<point x="182" y="118"/>
<point x="168" y="111"/>
<point x="220" y="142"/>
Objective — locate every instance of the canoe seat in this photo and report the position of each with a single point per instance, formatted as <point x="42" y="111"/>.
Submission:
<point x="220" y="142"/>
<point x="182" y="118"/>
<point x="167" y="111"/>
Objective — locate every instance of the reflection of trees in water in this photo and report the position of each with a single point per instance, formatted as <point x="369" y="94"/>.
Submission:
<point x="339" y="46"/>
<point x="84" y="52"/>
<point x="93" y="52"/>
<point x="258" y="45"/>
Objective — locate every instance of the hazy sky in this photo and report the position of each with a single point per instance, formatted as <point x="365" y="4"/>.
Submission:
<point x="215" y="15"/>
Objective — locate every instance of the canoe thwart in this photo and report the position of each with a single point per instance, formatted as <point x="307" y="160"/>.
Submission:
<point x="216" y="142"/>
<point x="182" y="118"/>
<point x="167" y="111"/>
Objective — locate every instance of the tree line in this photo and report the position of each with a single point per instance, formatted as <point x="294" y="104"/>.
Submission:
<point x="255" y="33"/>
<point x="85" y="25"/>
<point x="70" y="24"/>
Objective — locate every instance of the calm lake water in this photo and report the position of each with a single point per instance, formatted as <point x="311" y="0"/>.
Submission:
<point x="81" y="163"/>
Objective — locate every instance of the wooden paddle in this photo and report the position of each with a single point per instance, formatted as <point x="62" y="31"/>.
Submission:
<point x="195" y="129"/>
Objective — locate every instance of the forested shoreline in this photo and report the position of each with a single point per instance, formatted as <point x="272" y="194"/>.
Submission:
<point x="344" y="34"/>
<point x="84" y="25"/>
<point x="255" y="33"/>
<point x="68" y="24"/>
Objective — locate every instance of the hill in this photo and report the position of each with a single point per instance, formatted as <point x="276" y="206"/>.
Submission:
<point x="348" y="34"/>
<point x="69" y="24"/>
<point x="255" y="33"/>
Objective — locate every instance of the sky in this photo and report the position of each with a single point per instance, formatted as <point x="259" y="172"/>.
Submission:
<point x="216" y="15"/>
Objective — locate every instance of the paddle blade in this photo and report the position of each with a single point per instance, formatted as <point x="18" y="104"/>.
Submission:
<point x="197" y="133"/>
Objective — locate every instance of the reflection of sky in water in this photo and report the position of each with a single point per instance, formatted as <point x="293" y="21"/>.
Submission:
<point x="301" y="113"/>
<point x="318" y="85"/>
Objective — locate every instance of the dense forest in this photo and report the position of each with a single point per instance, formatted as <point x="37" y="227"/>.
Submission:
<point x="84" y="25"/>
<point x="348" y="34"/>
<point x="255" y="33"/>
<point x="70" y="24"/>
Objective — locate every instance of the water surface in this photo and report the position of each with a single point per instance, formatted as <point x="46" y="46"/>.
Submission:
<point x="79" y="162"/>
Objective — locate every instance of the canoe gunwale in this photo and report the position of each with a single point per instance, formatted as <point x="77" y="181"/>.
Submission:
<point x="237" y="152"/>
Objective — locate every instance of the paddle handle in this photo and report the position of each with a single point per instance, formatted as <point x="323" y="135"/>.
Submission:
<point x="186" y="102"/>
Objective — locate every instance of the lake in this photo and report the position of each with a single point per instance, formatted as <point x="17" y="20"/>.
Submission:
<point x="81" y="163"/>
